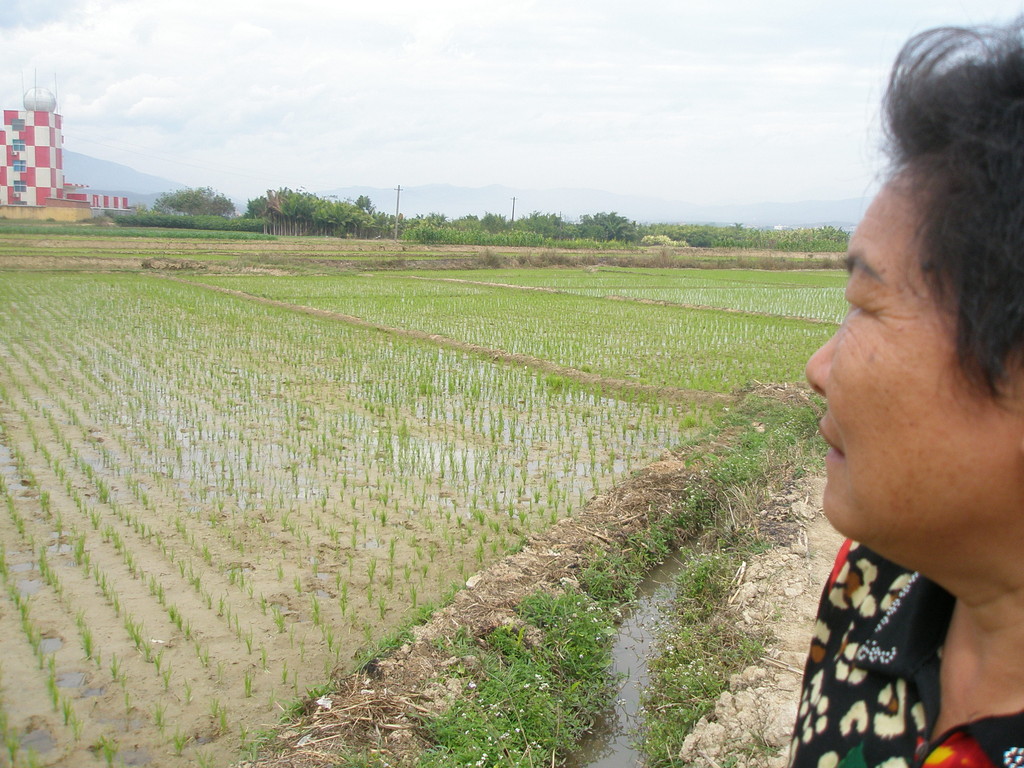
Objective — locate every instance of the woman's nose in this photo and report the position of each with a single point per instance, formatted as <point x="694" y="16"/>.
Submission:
<point x="819" y="366"/>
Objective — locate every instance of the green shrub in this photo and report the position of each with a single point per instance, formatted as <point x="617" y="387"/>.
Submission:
<point x="173" y="221"/>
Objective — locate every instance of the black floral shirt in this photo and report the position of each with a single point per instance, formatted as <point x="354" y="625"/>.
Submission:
<point x="871" y="684"/>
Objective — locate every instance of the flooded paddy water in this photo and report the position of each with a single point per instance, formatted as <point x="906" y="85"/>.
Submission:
<point x="209" y="506"/>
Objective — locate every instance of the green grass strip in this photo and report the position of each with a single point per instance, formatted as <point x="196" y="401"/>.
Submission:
<point x="8" y="228"/>
<point x="526" y="701"/>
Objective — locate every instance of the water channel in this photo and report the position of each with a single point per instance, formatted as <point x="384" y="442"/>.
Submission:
<point x="610" y="744"/>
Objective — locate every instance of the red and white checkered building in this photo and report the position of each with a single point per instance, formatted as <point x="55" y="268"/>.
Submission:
<point x="32" y="168"/>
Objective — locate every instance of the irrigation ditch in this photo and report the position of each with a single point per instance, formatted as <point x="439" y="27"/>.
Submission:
<point x="518" y="667"/>
<point x="611" y="742"/>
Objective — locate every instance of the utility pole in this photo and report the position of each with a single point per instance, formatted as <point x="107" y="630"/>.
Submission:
<point x="513" y="221"/>
<point x="398" y="198"/>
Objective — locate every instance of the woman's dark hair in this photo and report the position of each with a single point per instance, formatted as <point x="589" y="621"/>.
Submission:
<point x="954" y="112"/>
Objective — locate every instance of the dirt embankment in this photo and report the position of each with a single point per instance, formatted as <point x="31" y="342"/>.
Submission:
<point x="779" y="591"/>
<point x="378" y="708"/>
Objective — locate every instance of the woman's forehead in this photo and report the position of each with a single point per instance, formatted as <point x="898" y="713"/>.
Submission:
<point x="886" y="246"/>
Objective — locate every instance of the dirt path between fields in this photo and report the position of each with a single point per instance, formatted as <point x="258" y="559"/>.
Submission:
<point x="617" y="297"/>
<point x="674" y="394"/>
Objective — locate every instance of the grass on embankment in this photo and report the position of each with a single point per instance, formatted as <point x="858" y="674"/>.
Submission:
<point x="203" y="249"/>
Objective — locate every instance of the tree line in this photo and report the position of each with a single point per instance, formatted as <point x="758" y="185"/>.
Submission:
<point x="297" y="212"/>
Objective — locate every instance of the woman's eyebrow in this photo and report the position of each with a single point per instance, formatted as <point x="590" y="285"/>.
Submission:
<point x="855" y="262"/>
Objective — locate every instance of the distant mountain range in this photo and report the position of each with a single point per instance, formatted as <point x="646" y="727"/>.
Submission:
<point x="105" y="177"/>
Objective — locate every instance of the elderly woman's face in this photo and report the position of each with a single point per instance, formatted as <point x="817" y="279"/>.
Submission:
<point x="920" y="465"/>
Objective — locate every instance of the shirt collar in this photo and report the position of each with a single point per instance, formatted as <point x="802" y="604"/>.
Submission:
<point x="910" y="633"/>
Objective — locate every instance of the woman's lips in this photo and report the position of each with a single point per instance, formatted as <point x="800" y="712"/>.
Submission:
<point x="824" y="427"/>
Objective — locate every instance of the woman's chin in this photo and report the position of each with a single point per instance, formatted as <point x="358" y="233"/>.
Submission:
<point x="836" y="510"/>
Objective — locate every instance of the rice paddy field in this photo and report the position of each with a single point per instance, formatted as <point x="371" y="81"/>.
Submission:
<point x="806" y="294"/>
<point x="217" y="489"/>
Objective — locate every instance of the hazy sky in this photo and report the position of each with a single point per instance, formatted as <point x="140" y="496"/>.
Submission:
<point x="703" y="101"/>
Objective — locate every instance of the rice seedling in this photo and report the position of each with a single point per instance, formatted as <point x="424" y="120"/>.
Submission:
<point x="562" y="327"/>
<point x="107" y="747"/>
<point x="52" y="689"/>
<point x="279" y="620"/>
<point x="13" y="745"/>
<point x="195" y="454"/>
<point x="179" y="740"/>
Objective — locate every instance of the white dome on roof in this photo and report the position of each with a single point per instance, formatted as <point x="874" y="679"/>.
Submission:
<point x="40" y="100"/>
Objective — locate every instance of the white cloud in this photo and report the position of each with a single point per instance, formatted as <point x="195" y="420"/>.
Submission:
<point x="704" y="101"/>
<point x="32" y="13"/>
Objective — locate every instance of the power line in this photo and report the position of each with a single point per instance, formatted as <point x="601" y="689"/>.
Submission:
<point x="398" y="196"/>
